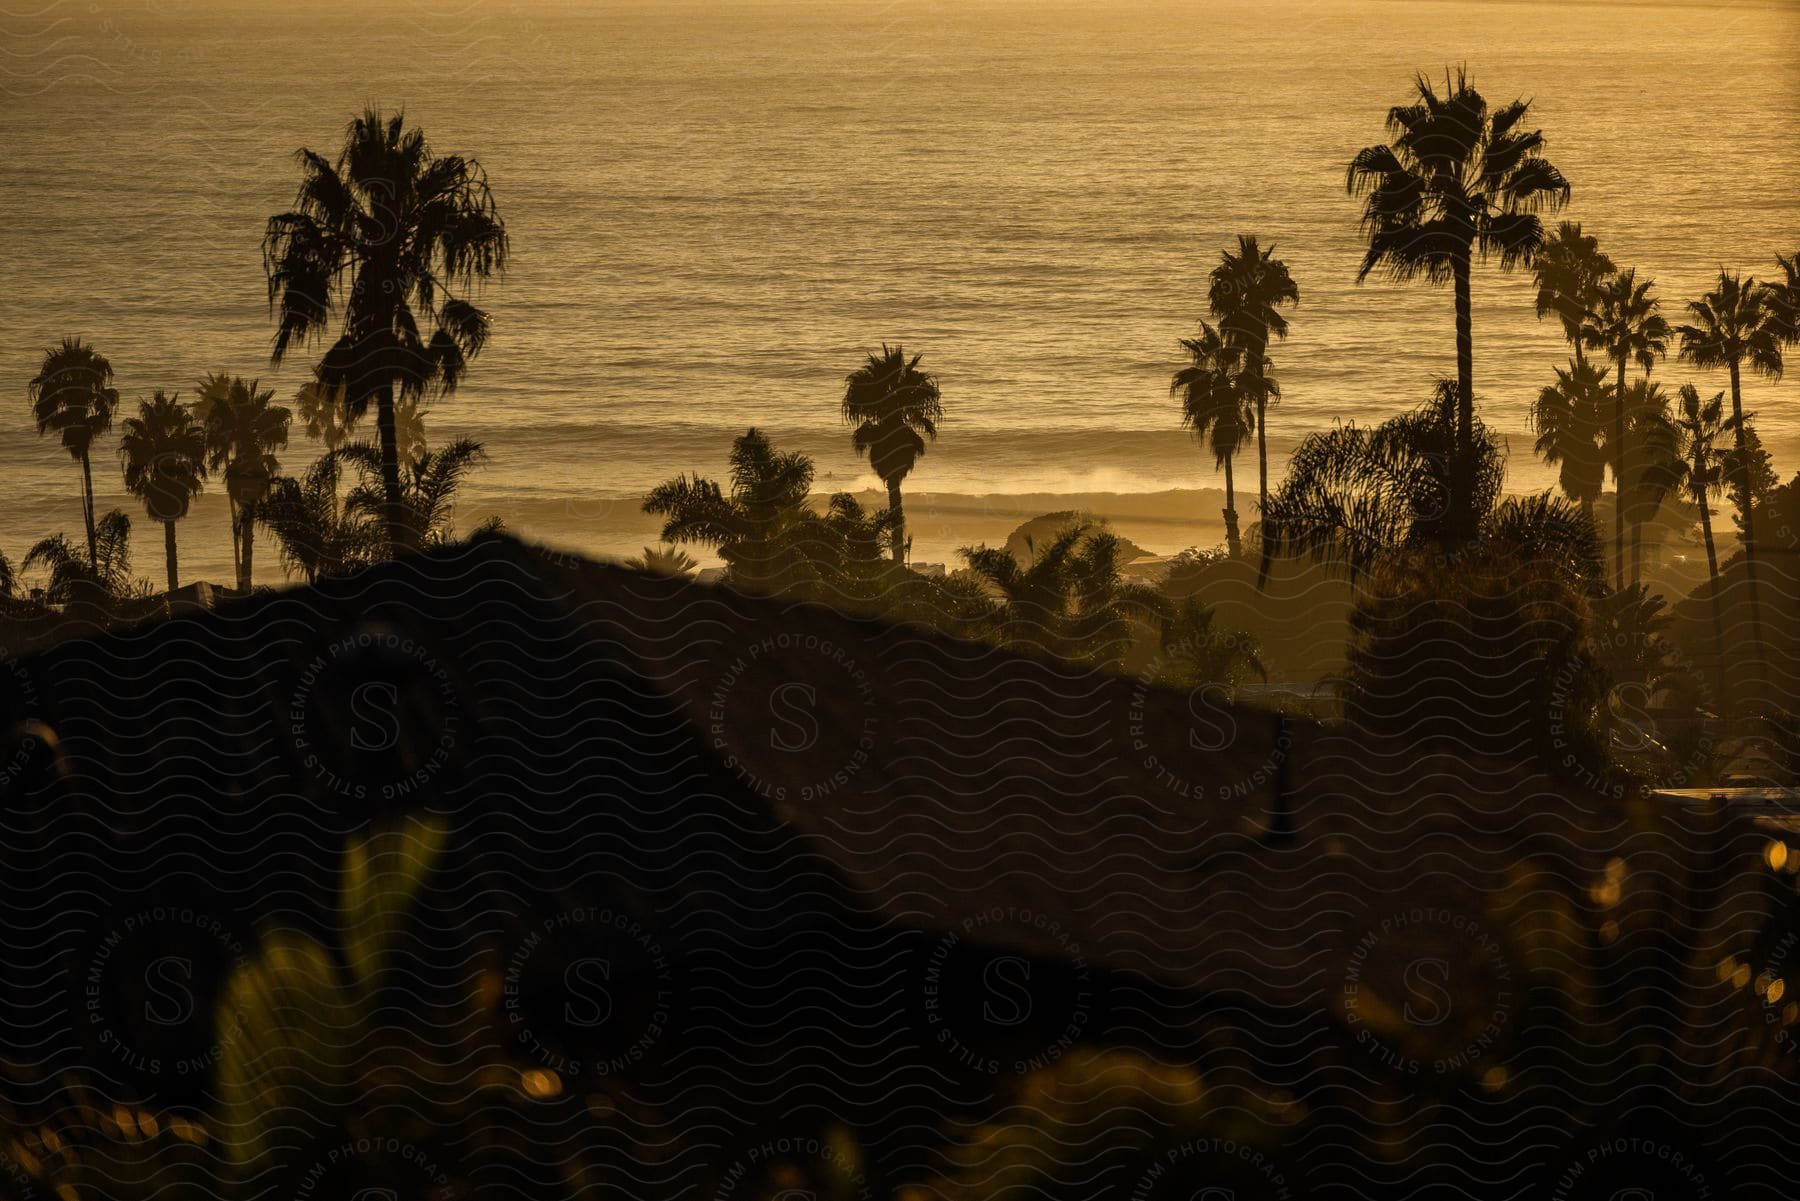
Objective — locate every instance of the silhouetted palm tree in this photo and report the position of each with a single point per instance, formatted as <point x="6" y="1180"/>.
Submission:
<point x="8" y="580"/>
<point x="1245" y="292"/>
<point x="1731" y="326"/>
<point x="1219" y="398"/>
<point x="243" y="432"/>
<point x="316" y="534"/>
<point x="1456" y="181"/>
<point x="1627" y="327"/>
<point x="163" y="453"/>
<point x="895" y="408"/>
<point x="1784" y="299"/>
<point x="1570" y="420"/>
<point x="1355" y="494"/>
<point x="765" y="529"/>
<point x="427" y="492"/>
<point x="664" y="560"/>
<point x="394" y="236"/>
<point x="1700" y="423"/>
<point x="1653" y="462"/>
<point x="1570" y="268"/>
<point x="73" y="578"/>
<point x="1070" y="600"/>
<point x="72" y="395"/>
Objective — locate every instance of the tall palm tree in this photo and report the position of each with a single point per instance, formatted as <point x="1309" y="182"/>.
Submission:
<point x="243" y="433"/>
<point x="1219" y="397"/>
<point x="1457" y="181"/>
<point x="1569" y="269"/>
<point x="396" y="237"/>
<point x="1699" y="424"/>
<point x="1569" y="417"/>
<point x="1625" y="325"/>
<point x="894" y="408"/>
<point x="1653" y="462"/>
<point x="1731" y="326"/>
<point x="163" y="453"/>
<point x="72" y="395"/>
<point x="1245" y="292"/>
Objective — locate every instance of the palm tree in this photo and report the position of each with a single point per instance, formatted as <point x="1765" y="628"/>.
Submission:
<point x="1354" y="494"/>
<point x="1571" y="429"/>
<point x="1219" y="398"/>
<point x="1784" y="299"/>
<point x="1699" y="424"/>
<point x="763" y="526"/>
<point x="72" y="394"/>
<point x="427" y="493"/>
<point x="1628" y="328"/>
<point x="243" y="432"/>
<point x="1570" y="269"/>
<point x="1245" y="292"/>
<point x="106" y="577"/>
<point x="1456" y="181"/>
<point x="316" y="534"/>
<point x="396" y="237"/>
<point x="664" y="560"/>
<point x="1070" y="600"/>
<point x="1653" y="448"/>
<point x="895" y="408"/>
<point x="163" y="452"/>
<point x="1732" y="325"/>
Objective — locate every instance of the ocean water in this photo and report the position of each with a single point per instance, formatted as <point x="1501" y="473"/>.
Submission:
<point x="717" y="207"/>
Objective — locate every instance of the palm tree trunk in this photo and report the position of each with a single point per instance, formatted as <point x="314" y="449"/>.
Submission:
<point x="899" y="534"/>
<point x="1462" y="498"/>
<point x="1231" y="518"/>
<point x="247" y="520"/>
<point x="1637" y="551"/>
<point x="1712" y="555"/>
<point x="390" y="470"/>
<point x="1749" y="511"/>
<point x="1619" y="479"/>
<point x="1262" y="450"/>
<point x="236" y="541"/>
<point x="1712" y="576"/>
<point x="169" y="554"/>
<point x="87" y="511"/>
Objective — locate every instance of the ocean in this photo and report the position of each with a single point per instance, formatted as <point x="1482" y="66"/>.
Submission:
<point x="717" y="208"/>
